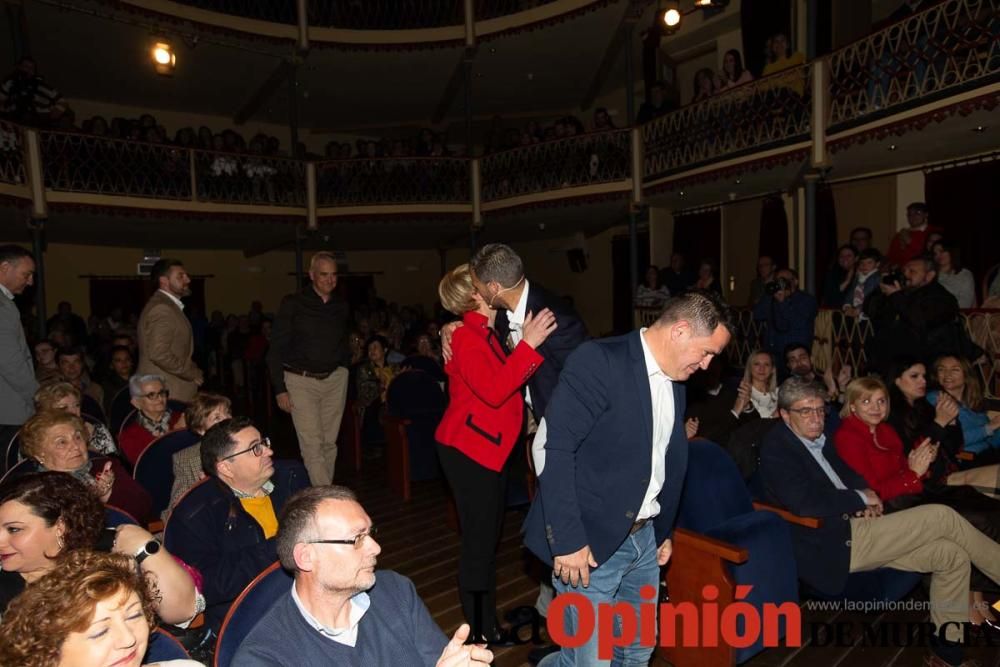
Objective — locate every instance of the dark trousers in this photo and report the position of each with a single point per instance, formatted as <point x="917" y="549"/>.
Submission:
<point x="480" y="496"/>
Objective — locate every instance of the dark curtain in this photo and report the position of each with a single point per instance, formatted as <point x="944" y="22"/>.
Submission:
<point x="698" y="236"/>
<point x="774" y="230"/>
<point x="965" y="202"/>
<point x="826" y="233"/>
<point x="759" y="20"/>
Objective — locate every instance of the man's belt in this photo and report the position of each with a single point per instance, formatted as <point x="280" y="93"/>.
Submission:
<point x="637" y="525"/>
<point x="307" y="374"/>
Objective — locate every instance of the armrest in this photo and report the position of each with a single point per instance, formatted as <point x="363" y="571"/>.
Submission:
<point x="724" y="550"/>
<point x="804" y="521"/>
<point x="966" y="456"/>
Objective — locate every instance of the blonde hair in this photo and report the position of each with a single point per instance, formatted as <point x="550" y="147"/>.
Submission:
<point x="860" y="388"/>
<point x="455" y="290"/>
<point x="50" y="394"/>
<point x="35" y="429"/>
<point x="772" y="383"/>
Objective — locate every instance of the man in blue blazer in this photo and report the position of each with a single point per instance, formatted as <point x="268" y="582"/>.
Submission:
<point x="611" y="456"/>
<point x="802" y="472"/>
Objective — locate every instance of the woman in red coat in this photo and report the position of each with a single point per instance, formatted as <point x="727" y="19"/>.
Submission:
<point x="477" y="435"/>
<point x="875" y="451"/>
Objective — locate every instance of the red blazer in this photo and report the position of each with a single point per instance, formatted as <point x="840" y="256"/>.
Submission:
<point x="883" y="465"/>
<point x="485" y="410"/>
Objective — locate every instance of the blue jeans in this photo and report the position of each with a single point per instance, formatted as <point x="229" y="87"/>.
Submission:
<point x="619" y="579"/>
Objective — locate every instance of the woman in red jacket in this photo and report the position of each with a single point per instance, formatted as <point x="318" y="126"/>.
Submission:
<point x="867" y="443"/>
<point x="477" y="435"/>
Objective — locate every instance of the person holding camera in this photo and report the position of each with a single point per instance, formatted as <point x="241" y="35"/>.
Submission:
<point x="787" y="312"/>
<point x="912" y="314"/>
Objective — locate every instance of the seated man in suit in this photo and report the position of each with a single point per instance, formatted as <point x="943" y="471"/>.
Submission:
<point x="802" y="472"/>
<point x="334" y="613"/>
<point x="225" y="527"/>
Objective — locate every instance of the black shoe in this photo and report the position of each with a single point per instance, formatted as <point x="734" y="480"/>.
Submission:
<point x="501" y="638"/>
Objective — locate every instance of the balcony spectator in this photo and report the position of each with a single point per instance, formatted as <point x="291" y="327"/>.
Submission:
<point x="788" y="312"/>
<point x="677" y="277"/>
<point x="650" y="293"/>
<point x="840" y="278"/>
<point x="779" y="58"/>
<point x="915" y="316"/>
<point x="866" y="281"/>
<point x="861" y="238"/>
<point x="602" y="120"/>
<point x="733" y="73"/>
<point x="704" y="85"/>
<point x="765" y="275"/>
<point x="25" y="97"/>
<point x="910" y="242"/>
<point x="706" y="277"/>
<point x="657" y="104"/>
<point x="957" y="280"/>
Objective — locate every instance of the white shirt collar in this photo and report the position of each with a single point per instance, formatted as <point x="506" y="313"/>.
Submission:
<point x="6" y="292"/>
<point x="172" y="298"/>
<point x="516" y="318"/>
<point x="652" y="368"/>
<point x="348" y="636"/>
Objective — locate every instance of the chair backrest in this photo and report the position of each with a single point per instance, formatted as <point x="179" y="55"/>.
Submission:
<point x="116" y="516"/>
<point x="259" y="595"/>
<point x="121" y="406"/>
<point x="714" y="490"/>
<point x="164" y="646"/>
<point x="21" y="467"/>
<point x="89" y="406"/>
<point x="414" y="394"/>
<point x="154" y="469"/>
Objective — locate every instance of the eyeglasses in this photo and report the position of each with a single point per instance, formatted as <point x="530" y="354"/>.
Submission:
<point x="257" y="448"/>
<point x="153" y="395"/>
<point x="357" y="540"/>
<point x="810" y="412"/>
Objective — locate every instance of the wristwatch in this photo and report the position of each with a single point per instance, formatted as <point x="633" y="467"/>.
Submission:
<point x="148" y="549"/>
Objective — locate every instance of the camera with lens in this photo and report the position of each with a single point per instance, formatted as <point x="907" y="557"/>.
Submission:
<point x="894" y="276"/>
<point x="777" y="285"/>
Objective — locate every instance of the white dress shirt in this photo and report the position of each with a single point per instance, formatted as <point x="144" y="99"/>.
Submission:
<point x="173" y="298"/>
<point x="347" y="636"/>
<point x="661" y="392"/>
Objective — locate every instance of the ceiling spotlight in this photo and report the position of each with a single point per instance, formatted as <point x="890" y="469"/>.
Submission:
<point x="738" y="181"/>
<point x="164" y="58"/>
<point x="703" y="4"/>
<point x="672" y="14"/>
<point x="979" y="128"/>
<point x="892" y="147"/>
<point x="681" y="193"/>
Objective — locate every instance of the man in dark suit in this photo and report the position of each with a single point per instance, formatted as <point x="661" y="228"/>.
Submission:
<point x="611" y="455"/>
<point x="802" y="472"/>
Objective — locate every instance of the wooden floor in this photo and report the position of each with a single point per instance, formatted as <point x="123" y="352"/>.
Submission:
<point x="418" y="543"/>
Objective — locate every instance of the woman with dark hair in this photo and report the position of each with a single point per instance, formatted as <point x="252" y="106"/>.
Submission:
<point x="373" y="378"/>
<point x="733" y="73"/>
<point x="49" y="514"/>
<point x="957" y="280"/>
<point x="704" y="85"/>
<point x="97" y="610"/>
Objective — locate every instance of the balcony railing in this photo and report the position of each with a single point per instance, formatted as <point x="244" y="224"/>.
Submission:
<point x="393" y="181"/>
<point x="234" y="178"/>
<point x="840" y="340"/>
<point x="11" y="154"/>
<point x="368" y="14"/>
<point x="586" y="159"/>
<point x="758" y="115"/>
<point x="952" y="45"/>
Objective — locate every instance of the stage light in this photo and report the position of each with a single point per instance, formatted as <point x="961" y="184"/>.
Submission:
<point x="164" y="58"/>
<point x="672" y="14"/>
<point x="703" y="4"/>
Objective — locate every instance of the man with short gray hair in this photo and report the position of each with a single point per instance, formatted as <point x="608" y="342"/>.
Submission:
<point x="334" y="614"/>
<point x="308" y="362"/>
<point x="802" y="472"/>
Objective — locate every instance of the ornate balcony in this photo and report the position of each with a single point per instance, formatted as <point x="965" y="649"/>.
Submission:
<point x="11" y="154"/>
<point x="370" y="182"/>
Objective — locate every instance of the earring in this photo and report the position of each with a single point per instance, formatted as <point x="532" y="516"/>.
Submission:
<point x="61" y="542"/>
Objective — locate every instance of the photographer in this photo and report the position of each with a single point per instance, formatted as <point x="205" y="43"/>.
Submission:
<point x="912" y="314"/>
<point x="788" y="312"/>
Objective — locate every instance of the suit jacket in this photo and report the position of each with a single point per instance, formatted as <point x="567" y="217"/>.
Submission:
<point x="555" y="350"/>
<point x="793" y="479"/>
<point x="166" y="344"/>
<point x="598" y="454"/>
<point x="485" y="410"/>
<point x="17" y="373"/>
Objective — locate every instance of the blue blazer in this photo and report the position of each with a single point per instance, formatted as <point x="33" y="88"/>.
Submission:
<point x="598" y="454"/>
<point x="794" y="480"/>
<point x="556" y="348"/>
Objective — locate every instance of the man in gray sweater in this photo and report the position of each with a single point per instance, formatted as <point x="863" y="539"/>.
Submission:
<point x="340" y="610"/>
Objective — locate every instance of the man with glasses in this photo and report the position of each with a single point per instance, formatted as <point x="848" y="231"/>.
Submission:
<point x="225" y="526"/>
<point x="334" y="614"/>
<point x="802" y="472"/>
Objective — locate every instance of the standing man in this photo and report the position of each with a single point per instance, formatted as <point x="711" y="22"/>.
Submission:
<point x="911" y="242"/>
<point x="17" y="374"/>
<point x="308" y="361"/>
<point x="788" y="313"/>
<point x="165" y="339"/>
<point x="611" y="457"/>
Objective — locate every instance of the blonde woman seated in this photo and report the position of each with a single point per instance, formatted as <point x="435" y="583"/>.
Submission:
<point x="95" y="611"/>
<point x="65" y="397"/>
<point x="760" y="381"/>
